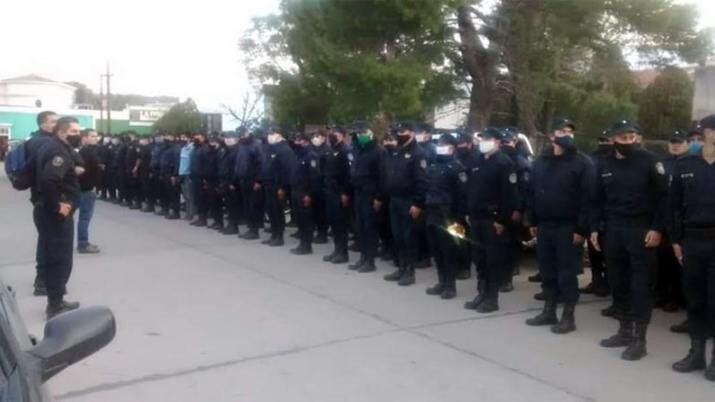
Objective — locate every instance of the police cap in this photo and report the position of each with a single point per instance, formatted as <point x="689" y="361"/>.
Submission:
<point x="492" y="132"/>
<point x="624" y="126"/>
<point x="405" y="126"/>
<point x="561" y="123"/>
<point x="678" y="136"/>
<point x="708" y="122"/>
<point x="448" y="139"/>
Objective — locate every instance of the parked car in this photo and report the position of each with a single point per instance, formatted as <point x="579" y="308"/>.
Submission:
<point x="70" y="337"/>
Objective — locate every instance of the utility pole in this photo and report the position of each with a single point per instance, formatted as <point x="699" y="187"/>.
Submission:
<point x="101" y="104"/>
<point x="109" y="101"/>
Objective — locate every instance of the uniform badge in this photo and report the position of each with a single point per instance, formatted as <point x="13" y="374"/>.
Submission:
<point x="408" y="156"/>
<point x="423" y="164"/>
<point x="273" y="155"/>
<point x="57" y="161"/>
<point x="313" y="163"/>
<point x="463" y="177"/>
<point x="336" y="154"/>
<point x="512" y="178"/>
<point x="350" y="157"/>
<point x="660" y="168"/>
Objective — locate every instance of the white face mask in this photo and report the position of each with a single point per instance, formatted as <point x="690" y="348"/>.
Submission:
<point x="487" y="146"/>
<point x="420" y="138"/>
<point x="231" y="141"/>
<point x="317" y="141"/>
<point x="443" y="150"/>
<point x="115" y="141"/>
<point x="273" y="139"/>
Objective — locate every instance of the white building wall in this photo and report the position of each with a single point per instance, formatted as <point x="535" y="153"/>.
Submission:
<point x="50" y="95"/>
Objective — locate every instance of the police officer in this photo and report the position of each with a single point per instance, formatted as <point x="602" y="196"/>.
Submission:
<point x="319" y="144"/>
<point x="249" y="161"/>
<point x="121" y="164"/>
<point x="210" y="175"/>
<point x="692" y="208"/>
<point x="132" y="165"/>
<point x="387" y="249"/>
<point x="169" y="166"/>
<point x="668" y="291"/>
<point x="155" y="193"/>
<point x="57" y="198"/>
<point x="113" y="170"/>
<point x="305" y="185"/>
<point x="367" y="173"/>
<point x="444" y="205"/>
<point x="198" y="162"/>
<point x="509" y="141"/>
<point x="559" y="204"/>
<point x="144" y="172"/>
<point x="229" y="184"/>
<point x="468" y="157"/>
<point x="423" y="136"/>
<point x="337" y="191"/>
<point x="630" y="205"/>
<point x="406" y="185"/>
<point x="278" y="165"/>
<point x="492" y="201"/>
<point x="599" y="275"/>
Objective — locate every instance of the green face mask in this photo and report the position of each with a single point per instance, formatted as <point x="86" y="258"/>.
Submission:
<point x="363" y="139"/>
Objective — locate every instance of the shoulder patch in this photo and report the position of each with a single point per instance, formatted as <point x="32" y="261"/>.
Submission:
<point x="463" y="177"/>
<point x="350" y="156"/>
<point x="660" y="168"/>
<point x="57" y="161"/>
<point x="313" y="163"/>
<point x="408" y="156"/>
<point x="423" y="164"/>
<point x="512" y="178"/>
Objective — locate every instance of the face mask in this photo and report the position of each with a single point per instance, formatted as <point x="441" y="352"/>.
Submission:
<point x="333" y="139"/>
<point x="144" y="142"/>
<point x="443" y="150"/>
<point x="74" y="140"/>
<point x="509" y="149"/>
<point x="317" y="141"/>
<point x="402" y="139"/>
<point x="420" y="138"/>
<point x="487" y="146"/>
<point x="695" y="148"/>
<point x="364" y="139"/>
<point x="565" y="142"/>
<point x="231" y="142"/>
<point x="115" y="141"/>
<point x="624" y="149"/>
<point x="273" y="139"/>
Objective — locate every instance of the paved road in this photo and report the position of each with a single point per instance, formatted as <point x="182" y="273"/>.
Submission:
<point x="205" y="317"/>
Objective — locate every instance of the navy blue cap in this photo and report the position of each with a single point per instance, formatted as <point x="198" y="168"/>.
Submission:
<point x="624" y="126"/>
<point x="463" y="137"/>
<point x="448" y="139"/>
<point x="509" y="133"/>
<point x="561" y="123"/>
<point x="405" y="126"/>
<point x="707" y="122"/>
<point x="492" y="132"/>
<point x="679" y="136"/>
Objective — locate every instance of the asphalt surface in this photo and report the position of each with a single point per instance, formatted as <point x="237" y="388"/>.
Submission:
<point x="207" y="317"/>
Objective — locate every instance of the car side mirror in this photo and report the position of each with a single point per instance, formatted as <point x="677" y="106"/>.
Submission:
<point x="72" y="336"/>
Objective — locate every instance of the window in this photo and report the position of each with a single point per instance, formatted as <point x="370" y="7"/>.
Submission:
<point x="4" y="131"/>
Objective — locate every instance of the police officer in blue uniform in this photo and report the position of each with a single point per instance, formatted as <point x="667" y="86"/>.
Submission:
<point x="522" y="165"/>
<point x="169" y="166"/>
<point x="630" y="202"/>
<point x="230" y="187"/>
<point x="56" y="198"/>
<point x="337" y="193"/>
<point x="444" y="206"/>
<point x="214" y="199"/>
<point x="198" y="162"/>
<point x="492" y="200"/>
<point x="319" y="144"/>
<point x="155" y="190"/>
<point x="406" y="185"/>
<point x="279" y="162"/>
<point x="692" y="209"/>
<point x="559" y="206"/>
<point x="367" y="175"/>
<point x="305" y="184"/>
<point x="468" y="156"/>
<point x="423" y="136"/>
<point x="249" y="165"/>
<point x="132" y="185"/>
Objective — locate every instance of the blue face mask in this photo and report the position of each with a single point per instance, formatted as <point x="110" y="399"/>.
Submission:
<point x="695" y="148"/>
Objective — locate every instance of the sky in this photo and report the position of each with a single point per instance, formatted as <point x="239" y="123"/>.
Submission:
<point x="184" y="48"/>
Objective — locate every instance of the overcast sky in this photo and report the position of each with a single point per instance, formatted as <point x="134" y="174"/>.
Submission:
<point x="179" y="47"/>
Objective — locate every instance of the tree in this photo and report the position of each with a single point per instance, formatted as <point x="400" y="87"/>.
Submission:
<point x="665" y="104"/>
<point x="183" y="117"/>
<point x="249" y="114"/>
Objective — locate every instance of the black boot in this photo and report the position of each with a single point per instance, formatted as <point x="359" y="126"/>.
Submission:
<point x="695" y="360"/>
<point x="277" y="241"/>
<point x="568" y="321"/>
<point x="408" y="277"/>
<point x="710" y="371"/>
<point x="40" y="289"/>
<point x="302" y="250"/>
<point x="340" y="258"/>
<point x="489" y="305"/>
<point x="464" y="274"/>
<point x="435" y="290"/>
<point x="231" y="229"/>
<point x="448" y="293"/>
<point x="508" y="286"/>
<point x="330" y="257"/>
<point x="637" y="349"/>
<point x="252" y="234"/>
<point x="56" y="307"/>
<point x="148" y="208"/>
<point x="173" y="216"/>
<point x="368" y="266"/>
<point x="623" y="338"/>
<point x="201" y="222"/>
<point x="357" y="265"/>
<point x="609" y="311"/>
<point x="394" y="276"/>
<point x="546" y="317"/>
<point x="321" y="238"/>
<point x="481" y="293"/>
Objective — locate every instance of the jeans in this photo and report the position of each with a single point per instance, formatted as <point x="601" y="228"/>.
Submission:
<point x="86" y="210"/>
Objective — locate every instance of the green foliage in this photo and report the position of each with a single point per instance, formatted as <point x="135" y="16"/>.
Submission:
<point x="666" y="104"/>
<point x="183" y="117"/>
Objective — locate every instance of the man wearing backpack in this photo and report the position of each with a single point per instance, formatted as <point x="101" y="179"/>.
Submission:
<point x="46" y="122"/>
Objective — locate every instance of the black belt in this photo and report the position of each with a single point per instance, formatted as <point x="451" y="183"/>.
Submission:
<point x="700" y="233"/>
<point x="629" y="220"/>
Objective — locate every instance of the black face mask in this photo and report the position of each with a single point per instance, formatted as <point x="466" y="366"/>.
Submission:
<point x="390" y="147"/>
<point x="625" y="149"/>
<point x="74" y="140"/>
<point x="565" y="142"/>
<point x="402" y="139"/>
